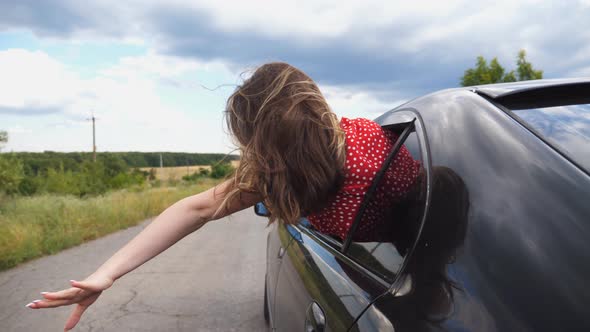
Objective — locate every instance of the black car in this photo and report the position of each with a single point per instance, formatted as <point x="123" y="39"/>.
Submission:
<point x="495" y="235"/>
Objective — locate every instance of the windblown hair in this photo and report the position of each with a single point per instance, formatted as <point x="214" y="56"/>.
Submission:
<point x="291" y="144"/>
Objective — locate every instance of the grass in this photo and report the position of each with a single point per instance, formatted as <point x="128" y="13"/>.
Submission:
<point x="31" y="227"/>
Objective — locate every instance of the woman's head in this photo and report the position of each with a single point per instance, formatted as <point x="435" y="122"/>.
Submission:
<point x="292" y="148"/>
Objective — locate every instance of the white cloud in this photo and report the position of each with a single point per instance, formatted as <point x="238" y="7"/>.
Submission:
<point x="126" y="98"/>
<point x="33" y="80"/>
<point x="312" y="19"/>
<point x="580" y="72"/>
<point x="152" y="64"/>
<point x="402" y="25"/>
<point x="427" y="34"/>
<point x="354" y="102"/>
<point x="18" y="129"/>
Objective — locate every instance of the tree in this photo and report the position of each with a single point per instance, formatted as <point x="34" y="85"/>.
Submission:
<point x="11" y="169"/>
<point x="3" y="138"/>
<point x="525" y="69"/>
<point x="483" y="73"/>
<point x="11" y="173"/>
<point x="221" y="170"/>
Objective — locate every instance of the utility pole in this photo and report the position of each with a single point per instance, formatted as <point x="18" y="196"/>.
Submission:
<point x="93" y="137"/>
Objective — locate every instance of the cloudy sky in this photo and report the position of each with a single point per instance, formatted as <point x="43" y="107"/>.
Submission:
<point x="156" y="74"/>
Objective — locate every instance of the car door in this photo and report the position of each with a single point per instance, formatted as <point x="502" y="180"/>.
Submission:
<point x="325" y="284"/>
<point x="277" y="242"/>
<point x="318" y="288"/>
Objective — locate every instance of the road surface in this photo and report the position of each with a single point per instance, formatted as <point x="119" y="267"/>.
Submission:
<point x="212" y="280"/>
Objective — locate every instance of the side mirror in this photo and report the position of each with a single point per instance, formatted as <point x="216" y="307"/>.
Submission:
<point x="261" y="210"/>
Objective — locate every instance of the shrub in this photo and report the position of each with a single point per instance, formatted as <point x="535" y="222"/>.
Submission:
<point x="201" y="173"/>
<point x="11" y="173"/>
<point x="221" y="170"/>
<point x="29" y="185"/>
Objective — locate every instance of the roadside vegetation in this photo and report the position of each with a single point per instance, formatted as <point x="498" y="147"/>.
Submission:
<point x="52" y="201"/>
<point x="45" y="224"/>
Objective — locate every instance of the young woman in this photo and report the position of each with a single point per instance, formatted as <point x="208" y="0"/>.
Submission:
<point x="296" y="157"/>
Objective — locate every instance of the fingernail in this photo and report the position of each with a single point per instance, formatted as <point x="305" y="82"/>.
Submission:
<point x="36" y="301"/>
<point x="71" y="280"/>
<point x="29" y="305"/>
<point x="43" y="293"/>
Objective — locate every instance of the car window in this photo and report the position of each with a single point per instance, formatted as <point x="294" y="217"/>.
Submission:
<point x="565" y="127"/>
<point x="386" y="233"/>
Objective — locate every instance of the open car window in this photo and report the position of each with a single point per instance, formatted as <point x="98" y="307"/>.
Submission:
<point x="380" y="244"/>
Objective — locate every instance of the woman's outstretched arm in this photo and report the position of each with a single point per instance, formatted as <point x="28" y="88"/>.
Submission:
<point x="177" y="221"/>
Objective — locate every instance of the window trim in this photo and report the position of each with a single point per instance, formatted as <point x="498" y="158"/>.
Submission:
<point x="334" y="243"/>
<point x="329" y="246"/>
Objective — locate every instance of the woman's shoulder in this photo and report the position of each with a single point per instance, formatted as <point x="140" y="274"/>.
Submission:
<point x="362" y="121"/>
<point x="358" y="124"/>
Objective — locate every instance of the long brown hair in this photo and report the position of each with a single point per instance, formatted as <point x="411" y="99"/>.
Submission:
<point x="291" y="144"/>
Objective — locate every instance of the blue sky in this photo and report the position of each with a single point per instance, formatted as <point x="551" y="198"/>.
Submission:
<point x="146" y="68"/>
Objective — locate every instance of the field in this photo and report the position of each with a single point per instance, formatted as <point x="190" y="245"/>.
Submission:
<point x="176" y="173"/>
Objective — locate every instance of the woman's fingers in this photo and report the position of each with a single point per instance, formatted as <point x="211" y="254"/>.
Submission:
<point x="63" y="294"/>
<point x="75" y="317"/>
<point x="79" y="310"/>
<point x="84" y="292"/>
<point x="40" y="304"/>
<point x="77" y="289"/>
<point x="64" y="297"/>
<point x="82" y="295"/>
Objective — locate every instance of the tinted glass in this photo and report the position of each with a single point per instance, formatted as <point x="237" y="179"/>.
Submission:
<point x="381" y="244"/>
<point x="566" y="127"/>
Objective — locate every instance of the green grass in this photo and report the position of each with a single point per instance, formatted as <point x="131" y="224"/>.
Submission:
<point x="31" y="227"/>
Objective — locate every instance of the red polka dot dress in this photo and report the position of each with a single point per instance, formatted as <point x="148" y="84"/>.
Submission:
<point x="367" y="147"/>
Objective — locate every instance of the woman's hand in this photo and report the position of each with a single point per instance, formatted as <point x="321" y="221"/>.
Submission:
<point x="84" y="293"/>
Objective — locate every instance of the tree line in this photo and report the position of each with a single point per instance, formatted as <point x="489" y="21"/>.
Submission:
<point x="484" y="73"/>
<point x="39" y="161"/>
<point x="75" y="173"/>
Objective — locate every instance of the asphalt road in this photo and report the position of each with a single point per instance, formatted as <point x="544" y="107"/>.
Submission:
<point x="212" y="280"/>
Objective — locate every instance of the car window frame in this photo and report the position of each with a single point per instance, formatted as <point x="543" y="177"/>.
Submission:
<point x="393" y="118"/>
<point x="397" y="145"/>
<point x="388" y="120"/>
